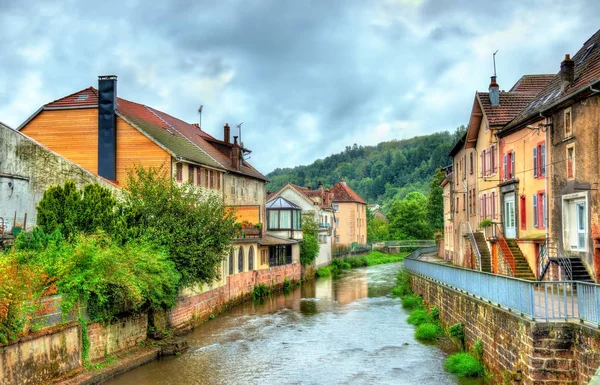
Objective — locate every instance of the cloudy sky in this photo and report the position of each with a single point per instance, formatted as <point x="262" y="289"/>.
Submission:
<point x="306" y="78"/>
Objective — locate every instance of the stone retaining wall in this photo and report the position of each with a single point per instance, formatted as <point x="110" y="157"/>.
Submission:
<point x="524" y="351"/>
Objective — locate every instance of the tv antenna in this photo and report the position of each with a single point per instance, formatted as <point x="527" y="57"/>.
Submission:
<point x="200" y="113"/>
<point x="239" y="126"/>
<point x="494" y="58"/>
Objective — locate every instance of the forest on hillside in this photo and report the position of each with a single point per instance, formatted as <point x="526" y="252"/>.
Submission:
<point x="380" y="174"/>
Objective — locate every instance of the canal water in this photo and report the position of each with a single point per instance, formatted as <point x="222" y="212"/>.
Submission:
<point x="346" y="330"/>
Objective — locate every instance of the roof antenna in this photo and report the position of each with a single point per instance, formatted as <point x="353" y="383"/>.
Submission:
<point x="494" y="57"/>
<point x="239" y="126"/>
<point x="200" y="113"/>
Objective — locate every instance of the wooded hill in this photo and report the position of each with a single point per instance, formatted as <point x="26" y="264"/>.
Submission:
<point x="380" y="174"/>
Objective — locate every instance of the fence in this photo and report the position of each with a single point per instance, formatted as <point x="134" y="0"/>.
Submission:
<point x="548" y="300"/>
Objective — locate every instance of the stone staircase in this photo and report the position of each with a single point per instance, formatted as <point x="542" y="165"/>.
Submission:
<point x="486" y="258"/>
<point x="577" y="270"/>
<point x="522" y="269"/>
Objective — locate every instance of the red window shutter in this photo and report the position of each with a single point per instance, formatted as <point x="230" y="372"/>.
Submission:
<point x="523" y="213"/>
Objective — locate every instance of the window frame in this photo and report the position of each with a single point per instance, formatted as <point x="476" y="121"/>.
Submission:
<point x="570" y="161"/>
<point x="179" y="172"/>
<point x="568" y="122"/>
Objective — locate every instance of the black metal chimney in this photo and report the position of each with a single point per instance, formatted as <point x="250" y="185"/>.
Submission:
<point x="107" y="127"/>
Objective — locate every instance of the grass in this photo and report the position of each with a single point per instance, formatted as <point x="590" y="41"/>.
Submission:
<point x="371" y="259"/>
<point x="418" y="317"/>
<point x="412" y="301"/>
<point x="464" y="365"/>
<point x="427" y="332"/>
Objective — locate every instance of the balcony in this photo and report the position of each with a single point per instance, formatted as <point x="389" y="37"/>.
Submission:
<point x="324" y="225"/>
<point x="247" y="230"/>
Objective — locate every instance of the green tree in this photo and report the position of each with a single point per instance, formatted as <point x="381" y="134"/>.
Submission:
<point x="377" y="229"/>
<point x="192" y="223"/>
<point x="309" y="248"/>
<point x="408" y="218"/>
<point x="435" y="202"/>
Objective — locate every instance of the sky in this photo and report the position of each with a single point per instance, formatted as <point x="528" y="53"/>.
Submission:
<point x="307" y="78"/>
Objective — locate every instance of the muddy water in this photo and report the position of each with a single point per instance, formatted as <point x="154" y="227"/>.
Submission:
<point x="331" y="331"/>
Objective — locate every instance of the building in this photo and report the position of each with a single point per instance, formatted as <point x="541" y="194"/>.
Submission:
<point x="447" y="185"/>
<point x="311" y="202"/>
<point x="109" y="135"/>
<point x="567" y="111"/>
<point x="350" y="215"/>
<point x="377" y="213"/>
<point x="27" y="169"/>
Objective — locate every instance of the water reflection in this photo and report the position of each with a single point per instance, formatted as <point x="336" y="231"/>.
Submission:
<point x="330" y="331"/>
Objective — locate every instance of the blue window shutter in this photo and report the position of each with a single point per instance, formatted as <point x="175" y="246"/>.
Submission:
<point x="535" y="211"/>
<point x="535" y="162"/>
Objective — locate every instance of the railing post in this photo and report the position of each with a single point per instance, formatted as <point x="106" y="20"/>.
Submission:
<point x="532" y="300"/>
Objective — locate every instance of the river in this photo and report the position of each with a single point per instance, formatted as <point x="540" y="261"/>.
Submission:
<point x="346" y="330"/>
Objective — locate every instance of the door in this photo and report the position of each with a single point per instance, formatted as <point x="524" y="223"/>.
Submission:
<point x="510" y="230"/>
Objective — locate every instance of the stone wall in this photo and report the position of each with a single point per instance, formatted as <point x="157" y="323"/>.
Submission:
<point x="527" y="352"/>
<point x="39" y="357"/>
<point x="117" y="336"/>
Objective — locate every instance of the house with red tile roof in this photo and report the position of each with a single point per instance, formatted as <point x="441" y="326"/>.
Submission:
<point x="316" y="203"/>
<point x="477" y="169"/>
<point x="564" y="116"/>
<point x="108" y="135"/>
<point x="350" y="214"/>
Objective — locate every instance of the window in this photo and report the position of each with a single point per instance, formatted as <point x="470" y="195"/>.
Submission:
<point x="568" y="123"/>
<point x="233" y="185"/>
<point x="191" y="173"/>
<point x="539" y="210"/>
<point x="179" y="172"/>
<point x="251" y="258"/>
<point x="243" y="187"/>
<point x="218" y="176"/>
<point x="284" y="219"/>
<point x="337" y="221"/>
<point x="575" y="221"/>
<point x="493" y="161"/>
<point x="198" y="176"/>
<point x="509" y="165"/>
<point x="231" y="262"/>
<point x="280" y="255"/>
<point x="539" y="160"/>
<point x="543" y="209"/>
<point x="263" y="256"/>
<point x="493" y="203"/>
<point x="571" y="162"/>
<point x="241" y="260"/>
<point x="335" y="207"/>
<point x="471" y="163"/>
<point x="206" y="179"/>
<point x="212" y="179"/>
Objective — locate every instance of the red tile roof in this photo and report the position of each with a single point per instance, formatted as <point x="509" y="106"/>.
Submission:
<point x="149" y="119"/>
<point x="532" y="84"/>
<point x="587" y="72"/>
<point x="511" y="104"/>
<point x="343" y="193"/>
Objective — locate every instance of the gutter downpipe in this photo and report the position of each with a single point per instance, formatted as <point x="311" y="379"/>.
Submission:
<point x="547" y="168"/>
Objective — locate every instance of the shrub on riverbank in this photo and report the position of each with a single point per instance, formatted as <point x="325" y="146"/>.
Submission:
<point x="428" y="332"/>
<point x="412" y="301"/>
<point x="419" y="316"/>
<point x="464" y="365"/>
<point x="371" y="259"/>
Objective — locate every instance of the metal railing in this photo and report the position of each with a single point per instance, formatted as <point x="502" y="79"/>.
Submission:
<point x="473" y="241"/>
<point x="548" y="300"/>
<point x="552" y="252"/>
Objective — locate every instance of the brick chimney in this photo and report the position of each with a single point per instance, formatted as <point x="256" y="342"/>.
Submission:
<point x="226" y="133"/>
<point x="107" y="127"/>
<point x="567" y="72"/>
<point x="494" y="90"/>
<point x="235" y="154"/>
<point x="327" y="198"/>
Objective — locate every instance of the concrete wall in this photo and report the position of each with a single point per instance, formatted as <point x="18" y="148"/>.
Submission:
<point x="117" y="336"/>
<point x="27" y="169"/>
<point x="536" y="352"/>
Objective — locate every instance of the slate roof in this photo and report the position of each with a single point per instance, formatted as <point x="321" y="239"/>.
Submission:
<point x="179" y="138"/>
<point x="343" y="193"/>
<point x="309" y="194"/>
<point x="587" y="72"/>
<point x="282" y="203"/>
<point x="532" y="84"/>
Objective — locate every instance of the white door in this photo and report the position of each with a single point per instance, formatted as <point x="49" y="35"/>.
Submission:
<point x="510" y="230"/>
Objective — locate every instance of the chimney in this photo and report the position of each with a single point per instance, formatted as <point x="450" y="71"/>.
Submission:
<point x="327" y="198"/>
<point x="320" y="186"/>
<point x="567" y="72"/>
<point x="235" y="154"/>
<point x="309" y="187"/>
<point x="107" y="127"/>
<point x="494" y="90"/>
<point x="226" y="133"/>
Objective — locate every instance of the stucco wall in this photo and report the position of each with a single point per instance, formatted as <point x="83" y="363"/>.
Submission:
<point x="27" y="169"/>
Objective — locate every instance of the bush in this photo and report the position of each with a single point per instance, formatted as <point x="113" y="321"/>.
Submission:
<point x="309" y="248"/>
<point x="457" y="331"/>
<point x="410" y="302"/>
<point x="323" y="272"/>
<point x="418" y="317"/>
<point x="287" y="285"/>
<point x="435" y="313"/>
<point x="464" y="365"/>
<point x="260" y="291"/>
<point x="427" y="332"/>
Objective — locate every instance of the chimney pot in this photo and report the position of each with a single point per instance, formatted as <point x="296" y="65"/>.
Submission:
<point x="235" y="154"/>
<point x="226" y="133"/>
<point x="494" y="92"/>
<point x="107" y="127"/>
<point x="567" y="72"/>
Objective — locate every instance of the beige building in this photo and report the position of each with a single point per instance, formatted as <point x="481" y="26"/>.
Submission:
<point x="350" y="215"/>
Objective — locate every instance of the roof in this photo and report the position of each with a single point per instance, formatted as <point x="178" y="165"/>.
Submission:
<point x="458" y="145"/>
<point x="309" y="194"/>
<point x="343" y="193"/>
<point x="180" y="138"/>
<point x="532" y="84"/>
<point x="272" y="240"/>
<point x="511" y="104"/>
<point x="587" y="72"/>
<point x="282" y="203"/>
<point x="5" y="125"/>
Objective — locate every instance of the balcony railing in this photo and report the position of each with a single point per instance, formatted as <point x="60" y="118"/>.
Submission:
<point x="324" y="225"/>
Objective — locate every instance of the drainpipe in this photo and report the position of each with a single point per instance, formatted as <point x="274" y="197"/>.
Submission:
<point x="547" y="168"/>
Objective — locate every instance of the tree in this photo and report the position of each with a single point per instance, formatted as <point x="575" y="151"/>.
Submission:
<point x="435" y="201"/>
<point x="309" y="248"/>
<point x="377" y="229"/>
<point x="192" y="223"/>
<point x="408" y="218"/>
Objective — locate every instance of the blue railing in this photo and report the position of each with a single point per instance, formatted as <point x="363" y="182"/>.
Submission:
<point x="548" y="300"/>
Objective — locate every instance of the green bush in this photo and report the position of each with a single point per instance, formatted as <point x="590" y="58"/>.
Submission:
<point x="260" y="291"/>
<point x="323" y="272"/>
<point x="410" y="302"/>
<point x="457" y="331"/>
<point x="427" y="332"/>
<point x="309" y="247"/>
<point x="464" y="365"/>
<point x="287" y="285"/>
<point x="478" y="350"/>
<point x="418" y="317"/>
<point x="435" y="313"/>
